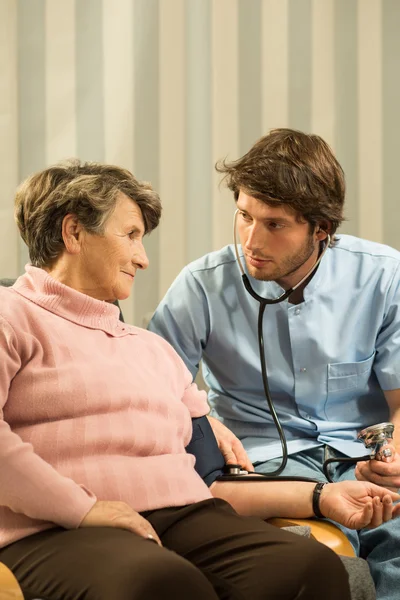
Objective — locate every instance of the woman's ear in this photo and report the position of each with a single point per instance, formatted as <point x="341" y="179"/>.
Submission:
<point x="72" y="234"/>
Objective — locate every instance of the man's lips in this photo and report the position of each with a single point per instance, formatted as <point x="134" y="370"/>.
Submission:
<point x="258" y="262"/>
<point x="129" y="274"/>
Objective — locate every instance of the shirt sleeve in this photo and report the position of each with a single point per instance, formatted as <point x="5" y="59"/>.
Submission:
<point x="182" y="318"/>
<point x="28" y="484"/>
<point x="387" y="357"/>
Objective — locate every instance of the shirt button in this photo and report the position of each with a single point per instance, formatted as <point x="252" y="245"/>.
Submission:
<point x="303" y="370"/>
<point x="297" y="311"/>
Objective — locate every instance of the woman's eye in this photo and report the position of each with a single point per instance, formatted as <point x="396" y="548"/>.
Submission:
<point x="135" y="236"/>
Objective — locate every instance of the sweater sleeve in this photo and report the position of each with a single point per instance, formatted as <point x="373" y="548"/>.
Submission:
<point x="193" y="398"/>
<point x="28" y="484"/>
<point x="196" y="401"/>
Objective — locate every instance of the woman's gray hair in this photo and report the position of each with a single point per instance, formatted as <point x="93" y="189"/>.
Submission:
<point x="86" y="189"/>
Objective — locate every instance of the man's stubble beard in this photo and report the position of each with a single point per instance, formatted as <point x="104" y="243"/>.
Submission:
<point x="289" y="266"/>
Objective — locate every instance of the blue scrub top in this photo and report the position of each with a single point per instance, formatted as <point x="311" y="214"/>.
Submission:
<point x="328" y="358"/>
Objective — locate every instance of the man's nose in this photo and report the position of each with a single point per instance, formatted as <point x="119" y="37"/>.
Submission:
<point x="255" y="238"/>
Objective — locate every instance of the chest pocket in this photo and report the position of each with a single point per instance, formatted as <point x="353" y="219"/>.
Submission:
<point x="349" y="376"/>
<point x="347" y="384"/>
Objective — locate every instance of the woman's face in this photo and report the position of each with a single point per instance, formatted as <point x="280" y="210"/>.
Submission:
<point x="108" y="263"/>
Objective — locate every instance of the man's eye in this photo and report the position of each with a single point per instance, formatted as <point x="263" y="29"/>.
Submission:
<point x="245" y="216"/>
<point x="276" y="225"/>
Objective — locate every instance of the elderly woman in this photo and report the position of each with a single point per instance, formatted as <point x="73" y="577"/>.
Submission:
<point x="98" y="497"/>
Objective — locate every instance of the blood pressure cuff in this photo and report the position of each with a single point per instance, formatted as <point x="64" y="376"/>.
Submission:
<point x="204" y="447"/>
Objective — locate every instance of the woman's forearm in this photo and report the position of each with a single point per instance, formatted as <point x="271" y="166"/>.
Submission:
<point x="31" y="486"/>
<point x="267" y="499"/>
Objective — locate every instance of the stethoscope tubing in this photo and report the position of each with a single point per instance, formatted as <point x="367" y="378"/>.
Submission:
<point x="263" y="302"/>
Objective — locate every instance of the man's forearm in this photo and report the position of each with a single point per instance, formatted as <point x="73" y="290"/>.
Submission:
<point x="267" y="499"/>
<point x="393" y="400"/>
<point x="395" y="419"/>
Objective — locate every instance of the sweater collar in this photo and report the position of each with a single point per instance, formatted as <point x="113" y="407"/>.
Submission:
<point x="45" y="291"/>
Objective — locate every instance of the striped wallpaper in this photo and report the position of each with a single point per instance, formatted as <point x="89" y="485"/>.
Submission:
<point x="167" y="87"/>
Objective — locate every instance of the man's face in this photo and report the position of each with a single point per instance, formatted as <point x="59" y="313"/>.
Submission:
<point x="276" y="246"/>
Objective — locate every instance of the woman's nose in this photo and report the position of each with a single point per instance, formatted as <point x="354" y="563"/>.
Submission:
<point x="141" y="259"/>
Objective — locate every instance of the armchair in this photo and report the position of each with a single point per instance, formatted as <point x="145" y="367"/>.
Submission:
<point x="9" y="588"/>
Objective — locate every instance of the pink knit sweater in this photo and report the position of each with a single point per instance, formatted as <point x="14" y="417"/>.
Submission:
<point x="90" y="408"/>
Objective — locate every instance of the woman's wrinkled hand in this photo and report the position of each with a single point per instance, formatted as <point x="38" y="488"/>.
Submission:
<point x="358" y="504"/>
<point x="384" y="472"/>
<point x="120" y="515"/>
<point x="231" y="447"/>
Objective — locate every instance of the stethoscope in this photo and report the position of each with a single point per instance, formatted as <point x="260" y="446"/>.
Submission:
<point x="375" y="437"/>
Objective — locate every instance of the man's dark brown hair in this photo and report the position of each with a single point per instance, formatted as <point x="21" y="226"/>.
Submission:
<point x="293" y="169"/>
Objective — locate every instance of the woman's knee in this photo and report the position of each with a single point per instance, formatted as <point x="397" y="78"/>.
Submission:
<point x="299" y="568"/>
<point x="162" y="574"/>
<point x="318" y="572"/>
<point x="103" y="563"/>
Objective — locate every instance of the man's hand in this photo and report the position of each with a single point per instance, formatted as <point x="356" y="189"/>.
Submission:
<point x="385" y="472"/>
<point x="231" y="448"/>
<point x="358" y="504"/>
<point x="120" y="515"/>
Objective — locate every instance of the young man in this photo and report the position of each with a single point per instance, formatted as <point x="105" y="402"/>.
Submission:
<point x="332" y="348"/>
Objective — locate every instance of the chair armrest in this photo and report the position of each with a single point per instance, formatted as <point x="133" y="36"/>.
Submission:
<point x="323" y="531"/>
<point x="9" y="588"/>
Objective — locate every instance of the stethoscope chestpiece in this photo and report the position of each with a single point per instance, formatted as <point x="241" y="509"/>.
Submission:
<point x="233" y="470"/>
<point x="376" y="437"/>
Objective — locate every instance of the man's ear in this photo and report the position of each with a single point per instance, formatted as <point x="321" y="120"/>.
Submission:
<point x="72" y="234"/>
<point x="322" y="230"/>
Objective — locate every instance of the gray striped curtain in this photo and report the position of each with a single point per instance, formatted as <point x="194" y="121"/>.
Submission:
<point x="167" y="87"/>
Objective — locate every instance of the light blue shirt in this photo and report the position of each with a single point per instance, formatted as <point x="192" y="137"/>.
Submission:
<point x="328" y="358"/>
